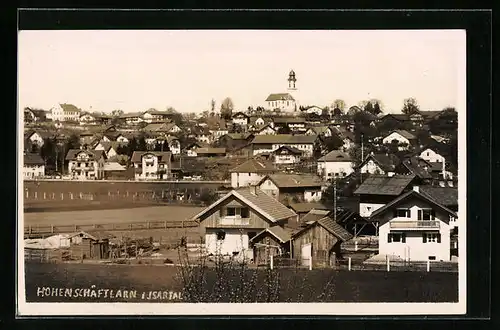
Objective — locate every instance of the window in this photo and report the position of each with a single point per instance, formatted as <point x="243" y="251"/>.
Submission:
<point x="396" y="238"/>
<point x="402" y="213"/>
<point x="245" y="212"/>
<point x="231" y="211"/>
<point x="221" y="235"/>
<point x="426" y="214"/>
<point x="431" y="238"/>
<point x="432" y="258"/>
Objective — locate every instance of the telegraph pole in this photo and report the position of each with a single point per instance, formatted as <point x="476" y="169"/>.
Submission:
<point x="335" y="200"/>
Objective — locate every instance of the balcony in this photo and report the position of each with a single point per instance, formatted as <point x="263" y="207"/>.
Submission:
<point x="234" y="221"/>
<point x="414" y="224"/>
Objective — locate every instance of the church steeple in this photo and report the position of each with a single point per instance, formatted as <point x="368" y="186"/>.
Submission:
<point x="291" y="80"/>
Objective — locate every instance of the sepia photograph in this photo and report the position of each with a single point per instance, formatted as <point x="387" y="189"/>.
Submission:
<point x="223" y="172"/>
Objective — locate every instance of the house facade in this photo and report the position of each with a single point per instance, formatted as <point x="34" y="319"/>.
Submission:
<point x="432" y="156"/>
<point x="287" y="156"/>
<point x="33" y="166"/>
<point x="86" y="164"/>
<point x="404" y="139"/>
<point x="241" y="119"/>
<point x="379" y="164"/>
<point x="283" y="101"/>
<point x="289" y="188"/>
<point x="65" y="112"/>
<point x="231" y="222"/>
<point x="250" y="173"/>
<point x="335" y="164"/>
<point x="270" y="143"/>
<point x="151" y="165"/>
<point x="415" y="227"/>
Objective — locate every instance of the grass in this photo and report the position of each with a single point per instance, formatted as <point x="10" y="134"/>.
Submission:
<point x="296" y="285"/>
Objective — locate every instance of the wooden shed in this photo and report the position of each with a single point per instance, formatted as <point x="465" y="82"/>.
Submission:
<point x="93" y="245"/>
<point x="319" y="240"/>
<point x="273" y="241"/>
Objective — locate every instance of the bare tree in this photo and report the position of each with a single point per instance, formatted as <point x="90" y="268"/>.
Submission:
<point x="338" y="104"/>
<point x="410" y="106"/>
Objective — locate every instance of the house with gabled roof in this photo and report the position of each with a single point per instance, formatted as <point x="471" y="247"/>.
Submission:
<point x="240" y="118"/>
<point x="320" y="240"/>
<point x="233" y="141"/>
<point x="282" y="101"/>
<point x="152" y="165"/>
<point x="110" y="148"/>
<point x="303" y="208"/>
<point x="415" y="227"/>
<point x="37" y="137"/>
<point x="86" y="164"/>
<point x="132" y="118"/>
<point x="379" y="164"/>
<point x="403" y="138"/>
<point x="323" y="130"/>
<point x="270" y="143"/>
<point x="378" y="190"/>
<point x="190" y="149"/>
<point x="271" y="242"/>
<point x="335" y="164"/>
<point x="65" y="112"/>
<point x="33" y="166"/>
<point x="286" y="155"/>
<point x="432" y="155"/>
<point x="267" y="129"/>
<point x="232" y="221"/>
<point x="292" y="187"/>
<point x="152" y="115"/>
<point x="294" y="124"/>
<point x="250" y="172"/>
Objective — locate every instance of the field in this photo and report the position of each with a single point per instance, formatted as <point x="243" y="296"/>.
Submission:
<point x="295" y="285"/>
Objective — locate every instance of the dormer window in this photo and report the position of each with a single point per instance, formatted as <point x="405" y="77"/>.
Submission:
<point x="402" y="213"/>
<point x="426" y="214"/>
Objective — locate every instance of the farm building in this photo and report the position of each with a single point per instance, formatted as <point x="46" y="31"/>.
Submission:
<point x="272" y="241"/>
<point x="94" y="245"/>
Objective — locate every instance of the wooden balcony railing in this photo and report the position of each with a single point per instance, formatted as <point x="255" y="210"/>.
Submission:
<point x="414" y="224"/>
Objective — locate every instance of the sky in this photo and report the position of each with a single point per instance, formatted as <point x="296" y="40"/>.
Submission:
<point x="136" y="70"/>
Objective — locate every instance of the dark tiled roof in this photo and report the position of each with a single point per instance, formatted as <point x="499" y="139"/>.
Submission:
<point x="334" y="228"/>
<point x="289" y="120"/>
<point x="33" y="159"/>
<point x="203" y="151"/>
<point x="314" y="215"/>
<point x="387" y="162"/>
<point x="290" y="149"/>
<point x="398" y="116"/>
<point x="447" y="196"/>
<point x="284" y="138"/>
<point x="239" y="136"/>
<point x="430" y="113"/>
<point x="307" y="207"/>
<point x="404" y="134"/>
<point x="293" y="180"/>
<point x="384" y="185"/>
<point x="163" y="156"/>
<point x="280" y="97"/>
<point x="277" y="231"/>
<point x="335" y="156"/>
<point x="416" y="166"/>
<point x="69" y="107"/>
<point x="93" y="154"/>
<point x="254" y="166"/>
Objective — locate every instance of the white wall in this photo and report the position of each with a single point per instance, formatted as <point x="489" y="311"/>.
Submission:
<point x="235" y="240"/>
<point x="33" y="171"/>
<point x="36" y="138"/>
<point x="312" y="195"/>
<point x="245" y="179"/>
<point x="329" y="169"/>
<point x="395" y="136"/>
<point x="372" y="168"/>
<point x="240" y="121"/>
<point x="288" y="105"/>
<point x="431" y="156"/>
<point x="269" y="188"/>
<point x="366" y="209"/>
<point x="286" y="159"/>
<point x="83" y="172"/>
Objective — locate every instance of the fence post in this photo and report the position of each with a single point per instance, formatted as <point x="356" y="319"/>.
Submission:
<point x="127" y="193"/>
<point x="27" y="193"/>
<point x="30" y="230"/>
<point x="44" y="195"/>
<point x="165" y="224"/>
<point x="53" y="195"/>
<point x="349" y="264"/>
<point x="76" y="228"/>
<point x="62" y="196"/>
<point x="71" y="195"/>
<point x="36" y="195"/>
<point x="52" y="229"/>
<point x="355" y="245"/>
<point x="388" y="264"/>
<point x="311" y="262"/>
<point x="271" y="262"/>
<point x="428" y="265"/>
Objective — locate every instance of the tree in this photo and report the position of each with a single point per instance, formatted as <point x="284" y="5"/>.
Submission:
<point x="337" y="112"/>
<point x="142" y="144"/>
<point x="339" y="104"/>
<point x="48" y="151"/>
<point x="368" y="107"/>
<point x="325" y="112"/>
<point x="376" y="109"/>
<point x="226" y="108"/>
<point x="333" y="142"/>
<point x="117" y="113"/>
<point x="410" y="106"/>
<point x="73" y="142"/>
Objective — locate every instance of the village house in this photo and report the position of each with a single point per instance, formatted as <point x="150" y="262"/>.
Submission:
<point x="379" y="190"/>
<point x="86" y="164"/>
<point x="87" y="118"/>
<point x="201" y="134"/>
<point x="233" y="141"/>
<point x="89" y="245"/>
<point x="304" y="208"/>
<point x="286" y="155"/>
<point x="403" y="138"/>
<point x="155" y="116"/>
<point x="258" y="122"/>
<point x="173" y="144"/>
<point x="65" y="112"/>
<point x="270" y="143"/>
<point x="289" y="188"/>
<point x="151" y="165"/>
<point x="319" y="130"/>
<point x="432" y="155"/>
<point x="109" y="148"/>
<point x="282" y="101"/>
<point x="122" y="139"/>
<point x="415" y="227"/>
<point x="163" y="128"/>
<point x="313" y="109"/>
<point x="379" y="164"/>
<point x="265" y="130"/>
<point x="240" y="118"/>
<point x="232" y="221"/>
<point x="294" y="124"/>
<point x="320" y="240"/>
<point x="132" y="118"/>
<point x="190" y="149"/>
<point x="209" y="152"/>
<point x="272" y="241"/>
<point x="34" y="115"/>
<point x="335" y="164"/>
<point x="250" y="172"/>
<point x="33" y="166"/>
<point x="37" y="137"/>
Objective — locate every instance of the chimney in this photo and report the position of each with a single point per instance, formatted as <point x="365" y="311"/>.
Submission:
<point x="416" y="188"/>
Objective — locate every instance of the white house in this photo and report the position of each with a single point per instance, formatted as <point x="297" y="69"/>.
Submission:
<point x="286" y="156"/>
<point x="241" y="119"/>
<point x="335" y="164"/>
<point x="270" y="143"/>
<point x="292" y="187"/>
<point x="265" y="130"/>
<point x="432" y="156"/>
<point x="132" y="118"/>
<point x="151" y="165"/>
<point x="120" y="138"/>
<point x="415" y="227"/>
<point x="232" y="221"/>
<point x="110" y="148"/>
<point x="283" y="101"/>
<point x="402" y="137"/>
<point x="86" y="164"/>
<point x="319" y="130"/>
<point x="37" y="137"/>
<point x="379" y="164"/>
<point x="33" y="166"/>
<point x="174" y="145"/>
<point x="86" y="119"/>
<point x="65" y="112"/>
<point x="250" y="172"/>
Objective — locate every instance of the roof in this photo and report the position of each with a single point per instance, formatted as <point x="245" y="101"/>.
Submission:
<point x="280" y="233"/>
<point x="293" y="180"/>
<point x="409" y="194"/>
<point x="69" y="107"/>
<point x="307" y="207"/>
<point x="416" y="166"/>
<point x="210" y="150"/>
<point x="255" y="198"/>
<point x="93" y="154"/>
<point x="164" y="156"/>
<point x="398" y="116"/>
<point x="131" y="115"/>
<point x="447" y="196"/>
<point x="291" y="149"/>
<point x="289" y="120"/>
<point x="240" y="114"/>
<point x="331" y="226"/>
<point x="284" y="138"/>
<point x="113" y="166"/>
<point x="320" y="129"/>
<point x="238" y="136"/>
<point x="336" y="156"/>
<point x="384" y="185"/>
<point x="280" y="97"/>
<point x="404" y="134"/>
<point x="33" y="159"/>
<point x="96" y="235"/>
<point x="314" y="215"/>
<point x="430" y="113"/>
<point x="254" y="166"/>
<point x="387" y="162"/>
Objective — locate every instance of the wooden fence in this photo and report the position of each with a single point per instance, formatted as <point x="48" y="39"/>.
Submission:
<point x="117" y="226"/>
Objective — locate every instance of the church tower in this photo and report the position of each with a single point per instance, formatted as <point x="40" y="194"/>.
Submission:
<point x="292" y="89"/>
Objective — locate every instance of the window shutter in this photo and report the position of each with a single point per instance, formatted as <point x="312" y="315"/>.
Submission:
<point x="403" y="237"/>
<point x="424" y="237"/>
<point x="439" y="238"/>
<point x="388" y="238"/>
<point x="420" y="216"/>
<point x="433" y="214"/>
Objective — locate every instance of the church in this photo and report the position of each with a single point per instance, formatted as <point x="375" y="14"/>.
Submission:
<point x="285" y="102"/>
